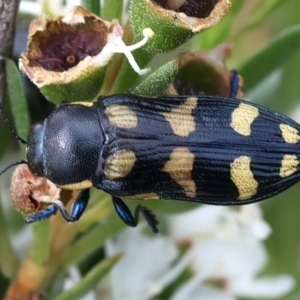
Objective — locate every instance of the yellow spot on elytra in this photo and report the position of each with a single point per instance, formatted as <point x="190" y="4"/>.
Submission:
<point x="242" y="118"/>
<point x="243" y="178"/>
<point x="181" y="119"/>
<point x="119" y="164"/>
<point x="289" y="134"/>
<point x="121" y="116"/>
<point x="180" y="167"/>
<point x="84" y="103"/>
<point x="145" y="196"/>
<point x="289" y="165"/>
<point x="77" y="186"/>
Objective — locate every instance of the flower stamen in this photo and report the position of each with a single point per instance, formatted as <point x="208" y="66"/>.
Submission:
<point x="118" y="46"/>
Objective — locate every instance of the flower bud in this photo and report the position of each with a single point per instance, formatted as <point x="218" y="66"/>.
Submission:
<point x="31" y="194"/>
<point x="66" y="57"/>
<point x="204" y="72"/>
<point x="175" y="21"/>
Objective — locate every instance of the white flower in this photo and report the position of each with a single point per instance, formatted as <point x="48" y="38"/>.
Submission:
<point x="53" y="7"/>
<point x="30" y="7"/>
<point x="146" y="267"/>
<point x="206" y="221"/>
<point x="226" y="254"/>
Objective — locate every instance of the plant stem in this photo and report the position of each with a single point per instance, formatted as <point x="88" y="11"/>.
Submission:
<point x="8" y="9"/>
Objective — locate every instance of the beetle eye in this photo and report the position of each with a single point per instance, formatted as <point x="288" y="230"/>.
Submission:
<point x="35" y="149"/>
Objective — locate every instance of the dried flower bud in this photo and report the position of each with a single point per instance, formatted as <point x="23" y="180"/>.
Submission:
<point x="66" y="57"/>
<point x="31" y="194"/>
<point x="175" y="21"/>
<point x="204" y="72"/>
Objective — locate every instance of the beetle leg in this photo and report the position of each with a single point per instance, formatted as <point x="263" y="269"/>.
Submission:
<point x="41" y="215"/>
<point x="234" y="84"/>
<point x="149" y="216"/>
<point x="78" y="208"/>
<point x="133" y="220"/>
<point x="79" y="205"/>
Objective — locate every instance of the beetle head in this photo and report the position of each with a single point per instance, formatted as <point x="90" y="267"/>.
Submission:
<point x="35" y="149"/>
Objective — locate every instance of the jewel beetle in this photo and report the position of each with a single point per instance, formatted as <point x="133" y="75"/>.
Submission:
<point x="206" y="149"/>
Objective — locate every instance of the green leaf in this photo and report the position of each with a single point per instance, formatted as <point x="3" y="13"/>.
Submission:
<point x="91" y="279"/>
<point x="112" y="9"/>
<point x="271" y="57"/>
<point x="266" y="8"/>
<point x="92" y="5"/>
<point x="17" y="98"/>
<point x="156" y="84"/>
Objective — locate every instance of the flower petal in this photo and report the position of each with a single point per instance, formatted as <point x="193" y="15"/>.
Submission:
<point x="153" y="256"/>
<point x="272" y="287"/>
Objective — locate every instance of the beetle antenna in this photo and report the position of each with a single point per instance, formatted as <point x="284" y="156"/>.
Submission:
<point x="11" y="128"/>
<point x="19" y="162"/>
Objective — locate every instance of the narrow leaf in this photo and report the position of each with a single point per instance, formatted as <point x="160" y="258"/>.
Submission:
<point x="8" y="260"/>
<point x="266" y="8"/>
<point x="91" y="279"/>
<point x="17" y="98"/>
<point x="271" y="57"/>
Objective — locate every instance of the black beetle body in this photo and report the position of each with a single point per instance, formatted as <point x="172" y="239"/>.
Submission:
<point x="206" y="149"/>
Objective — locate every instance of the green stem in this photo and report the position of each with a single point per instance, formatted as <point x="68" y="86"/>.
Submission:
<point x="40" y="248"/>
<point x="92" y="240"/>
<point x="90" y="280"/>
<point x="9" y="263"/>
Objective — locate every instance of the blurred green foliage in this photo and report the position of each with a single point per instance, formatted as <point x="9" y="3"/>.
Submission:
<point x="266" y="38"/>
